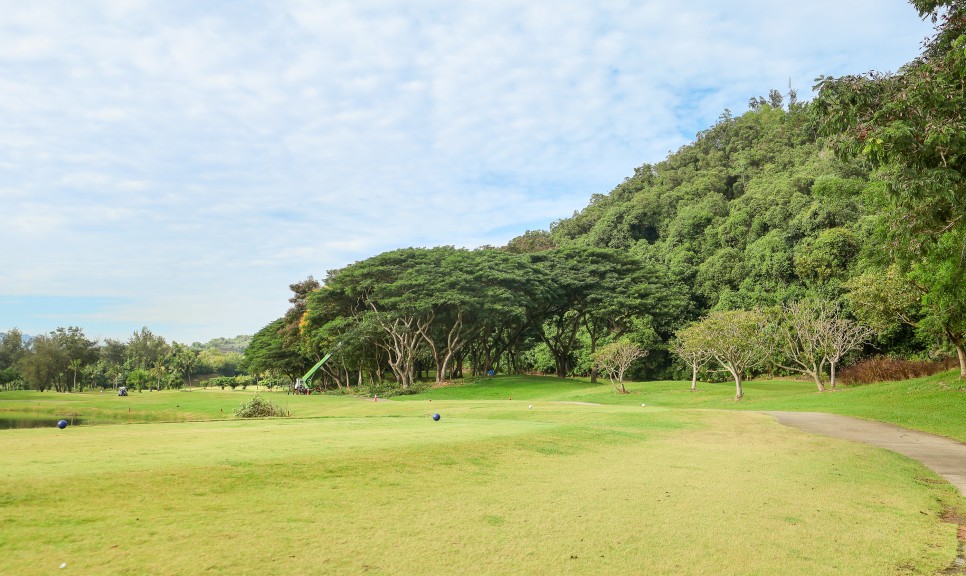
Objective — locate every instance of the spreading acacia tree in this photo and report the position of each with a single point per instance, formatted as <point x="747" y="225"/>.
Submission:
<point x="415" y="306"/>
<point x="911" y="126"/>
<point x="600" y="293"/>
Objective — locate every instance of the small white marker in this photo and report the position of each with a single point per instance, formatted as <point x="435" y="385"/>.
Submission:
<point x="530" y="407"/>
<point x="643" y="405"/>
<point x="63" y="565"/>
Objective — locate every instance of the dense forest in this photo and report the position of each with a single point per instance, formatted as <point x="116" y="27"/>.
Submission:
<point x="808" y="233"/>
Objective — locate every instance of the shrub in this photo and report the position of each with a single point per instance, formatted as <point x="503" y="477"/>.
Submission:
<point x="259" y="407"/>
<point x="275" y="383"/>
<point x="884" y="369"/>
<point x="389" y="388"/>
<point x="221" y="382"/>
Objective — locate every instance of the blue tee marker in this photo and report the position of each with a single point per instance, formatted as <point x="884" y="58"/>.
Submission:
<point x="436" y="417"/>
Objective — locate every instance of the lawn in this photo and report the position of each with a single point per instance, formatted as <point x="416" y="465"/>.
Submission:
<point x="351" y="486"/>
<point x="935" y="404"/>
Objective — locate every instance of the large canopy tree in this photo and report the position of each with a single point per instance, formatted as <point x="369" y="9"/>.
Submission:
<point x="268" y="352"/>
<point x="599" y="290"/>
<point x="437" y="302"/>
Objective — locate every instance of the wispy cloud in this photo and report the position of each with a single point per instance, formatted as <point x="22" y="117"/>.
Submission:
<point x="196" y="158"/>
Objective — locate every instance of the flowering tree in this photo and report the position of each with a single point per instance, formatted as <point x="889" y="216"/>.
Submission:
<point x="615" y="358"/>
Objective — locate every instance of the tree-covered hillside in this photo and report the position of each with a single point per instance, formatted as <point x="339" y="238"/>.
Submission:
<point x="823" y="221"/>
<point x="757" y="211"/>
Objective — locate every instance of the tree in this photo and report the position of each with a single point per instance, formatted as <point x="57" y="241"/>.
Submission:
<point x="736" y="339"/>
<point x="12" y="347"/>
<point x="688" y="345"/>
<point x="531" y="241"/>
<point x="841" y="337"/>
<point x="386" y="298"/>
<point x="599" y="290"/>
<point x="144" y="349"/>
<point x="801" y="331"/>
<point x="183" y="359"/>
<point x="268" y="352"/>
<point x="44" y="363"/>
<point x="615" y="358"/>
<point x="911" y="127"/>
<point x="80" y="350"/>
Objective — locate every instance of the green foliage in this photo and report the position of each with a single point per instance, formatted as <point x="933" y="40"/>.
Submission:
<point x="237" y="344"/>
<point x="910" y="126"/>
<point x="139" y="379"/>
<point x="259" y="407"/>
<point x="269" y="352"/>
<point x="222" y="382"/>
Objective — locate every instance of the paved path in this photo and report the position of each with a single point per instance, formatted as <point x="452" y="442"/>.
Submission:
<point x="944" y="456"/>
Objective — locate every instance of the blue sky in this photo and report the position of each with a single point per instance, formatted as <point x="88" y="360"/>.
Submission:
<point x="177" y="164"/>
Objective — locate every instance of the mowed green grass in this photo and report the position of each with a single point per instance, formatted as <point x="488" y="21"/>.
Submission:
<point x="109" y="408"/>
<point x="936" y="404"/>
<point x="351" y="486"/>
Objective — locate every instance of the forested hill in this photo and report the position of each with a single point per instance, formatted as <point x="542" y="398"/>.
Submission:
<point x="841" y="221"/>
<point x="756" y="211"/>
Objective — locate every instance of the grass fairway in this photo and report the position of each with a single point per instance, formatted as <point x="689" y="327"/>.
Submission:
<point x="492" y="488"/>
<point x="936" y="404"/>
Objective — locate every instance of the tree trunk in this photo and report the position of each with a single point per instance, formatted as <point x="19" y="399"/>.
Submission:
<point x="694" y="377"/>
<point x="561" y="366"/>
<point x="738" y="392"/>
<point x="831" y="381"/>
<point x="961" y="351"/>
<point x="817" y="377"/>
<point x="593" y="368"/>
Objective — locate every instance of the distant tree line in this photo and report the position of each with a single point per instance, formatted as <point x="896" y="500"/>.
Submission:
<point x="66" y="360"/>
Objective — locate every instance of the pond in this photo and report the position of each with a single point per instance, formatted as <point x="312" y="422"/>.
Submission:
<point x="10" y="421"/>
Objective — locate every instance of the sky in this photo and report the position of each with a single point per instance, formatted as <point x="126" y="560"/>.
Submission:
<point x="177" y="164"/>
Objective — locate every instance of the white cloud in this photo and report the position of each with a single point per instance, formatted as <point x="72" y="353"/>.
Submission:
<point x="199" y="155"/>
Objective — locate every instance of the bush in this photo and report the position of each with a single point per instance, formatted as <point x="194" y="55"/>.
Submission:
<point x="221" y="382"/>
<point x="275" y="383"/>
<point x="885" y="369"/>
<point x="389" y="388"/>
<point x="259" y="407"/>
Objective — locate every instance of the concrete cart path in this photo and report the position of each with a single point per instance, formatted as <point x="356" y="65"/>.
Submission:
<point x="944" y="456"/>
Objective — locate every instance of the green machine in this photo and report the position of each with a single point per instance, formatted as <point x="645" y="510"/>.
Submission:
<point x="302" y="384"/>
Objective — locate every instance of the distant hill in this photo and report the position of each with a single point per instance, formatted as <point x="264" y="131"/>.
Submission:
<point x="237" y="344"/>
<point x="756" y="211"/>
<point x="25" y="337"/>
